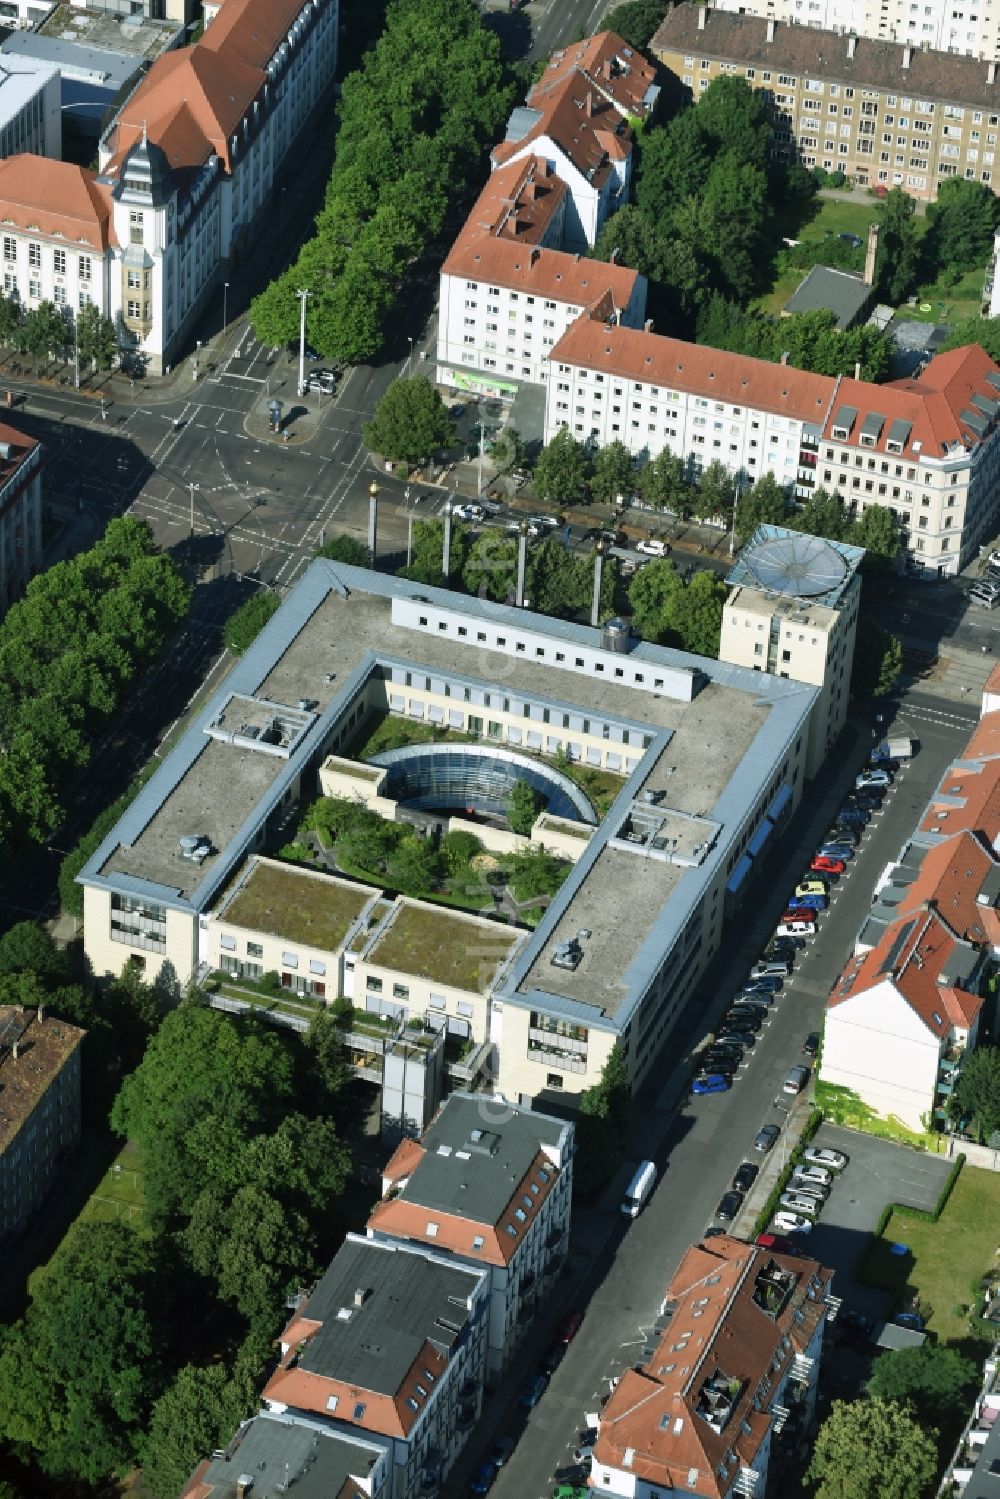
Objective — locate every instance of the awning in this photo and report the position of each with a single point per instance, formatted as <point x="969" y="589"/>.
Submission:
<point x="759" y="839"/>
<point x="739" y="874"/>
<point x="781" y="803"/>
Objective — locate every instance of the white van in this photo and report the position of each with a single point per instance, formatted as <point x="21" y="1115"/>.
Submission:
<point x="639" y="1189"/>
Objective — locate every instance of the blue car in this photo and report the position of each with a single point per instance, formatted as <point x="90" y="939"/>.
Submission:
<point x="713" y="1083"/>
<point x="807" y="903"/>
<point x="483" y="1478"/>
<point x="533" y="1391"/>
<point x="768" y="983"/>
<point x="842" y="851"/>
<point x="857" y="815"/>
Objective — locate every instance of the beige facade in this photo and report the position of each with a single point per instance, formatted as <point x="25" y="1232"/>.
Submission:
<point x="533" y="1045"/>
<point x="969" y="29"/>
<point x="118" y="929"/>
<point x="800" y="639"/>
<point x="891" y="115"/>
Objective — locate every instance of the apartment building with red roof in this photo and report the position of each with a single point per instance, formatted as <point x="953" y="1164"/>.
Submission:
<point x="489" y="1183"/>
<point x="389" y="1347"/>
<point x="578" y="116"/>
<point x="185" y="169"/>
<point x="731" y="1378"/>
<point x="928" y="447"/>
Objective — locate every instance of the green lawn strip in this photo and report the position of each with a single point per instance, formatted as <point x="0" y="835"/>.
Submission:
<point x="947" y="1259"/>
<point x="118" y="1196"/>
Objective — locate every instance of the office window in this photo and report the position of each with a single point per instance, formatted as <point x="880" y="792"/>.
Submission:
<point x="59" y="262"/>
<point x="34" y="254"/>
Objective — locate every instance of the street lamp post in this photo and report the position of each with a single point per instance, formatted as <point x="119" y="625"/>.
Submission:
<point x="446" y="552"/>
<point x="373" y="494"/>
<point x="482" y="442"/>
<point x="409" y="357"/>
<point x="303" y="297"/>
<point x="192" y="488"/>
<point x="732" y="532"/>
<point x="225" y="307"/>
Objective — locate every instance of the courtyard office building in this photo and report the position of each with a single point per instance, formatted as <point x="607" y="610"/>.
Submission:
<point x="884" y="113"/>
<point x="701" y="758"/>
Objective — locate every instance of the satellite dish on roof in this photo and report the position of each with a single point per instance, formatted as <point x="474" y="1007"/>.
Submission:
<point x="802" y="566"/>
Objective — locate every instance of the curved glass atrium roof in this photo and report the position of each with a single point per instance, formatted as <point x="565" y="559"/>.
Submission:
<point x="479" y="778"/>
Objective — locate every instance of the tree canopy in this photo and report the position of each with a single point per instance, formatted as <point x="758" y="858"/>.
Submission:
<point x="961" y="224"/>
<point x="872" y="1447"/>
<point x="935" y="1380"/>
<point x="878" y="660"/>
<point x="345" y="549"/>
<point x="636" y="20"/>
<point x="977" y="1091"/>
<point x="415" y="121"/>
<point x="411" y="422"/>
<point x="243" y="627"/>
<point x="668" y="611"/>
<point x="601" y="1123"/>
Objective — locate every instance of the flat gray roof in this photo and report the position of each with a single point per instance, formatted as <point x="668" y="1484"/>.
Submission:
<point x="20" y="80"/>
<point x="138" y="36"/>
<point x="710" y="757"/>
<point x="840" y="292"/>
<point x="74" y="59"/>
<point x="409" y="1299"/>
<point x="290" y="1452"/>
<point x="478" y="1151"/>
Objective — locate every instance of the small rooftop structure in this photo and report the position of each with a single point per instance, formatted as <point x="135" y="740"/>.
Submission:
<point x="791" y="563"/>
<point x="823" y="288"/>
<point x="274" y="1454"/>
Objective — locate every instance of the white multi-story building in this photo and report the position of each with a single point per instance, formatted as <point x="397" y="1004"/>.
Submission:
<point x="29" y="108"/>
<point x="926" y="448"/>
<point x="577" y="117"/>
<point x="491" y="1184"/>
<point x="191" y="158"/>
<point x="973" y="30"/>
<point x="615" y="384"/>
<point x="507" y="297"/>
<point x="55" y="234"/>
<point x="793" y="611"/>
<point x="21" y="14"/>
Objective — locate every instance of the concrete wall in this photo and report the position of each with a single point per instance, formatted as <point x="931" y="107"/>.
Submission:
<point x="875" y="1045"/>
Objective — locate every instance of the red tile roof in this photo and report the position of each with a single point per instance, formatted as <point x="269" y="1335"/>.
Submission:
<point x="912" y="956"/>
<point x="190" y="104"/>
<point x="984" y="742"/>
<point x="950" y="879"/>
<point x="652" y="359"/>
<point x="967" y="799"/>
<point x="655" y="1425"/>
<point x="251" y="30"/>
<point x="555" y="274"/>
<point x="931" y="405"/>
<point x="57" y="199"/>
<point x="583" y="100"/>
<point x="993" y="680"/>
<point x="519" y="202"/>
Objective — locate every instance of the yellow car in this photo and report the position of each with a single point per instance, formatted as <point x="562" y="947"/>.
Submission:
<point x="811" y="887"/>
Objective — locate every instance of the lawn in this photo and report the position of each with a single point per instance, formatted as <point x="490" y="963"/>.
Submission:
<point x="949" y="304"/>
<point x="947" y="1259"/>
<point x="818" y="217"/>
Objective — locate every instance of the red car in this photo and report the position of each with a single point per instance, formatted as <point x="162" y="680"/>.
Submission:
<point x="569" y="1327"/>
<point x="823" y="864"/>
<point x="799" y="913"/>
<point x="779" y="1242"/>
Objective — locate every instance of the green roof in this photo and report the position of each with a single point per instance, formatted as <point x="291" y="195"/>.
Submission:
<point x="297" y="906"/>
<point x="445" y="948"/>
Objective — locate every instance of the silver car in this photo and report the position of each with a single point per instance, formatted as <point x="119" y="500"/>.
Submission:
<point x="818" y="1175"/>
<point x="800" y="1202"/>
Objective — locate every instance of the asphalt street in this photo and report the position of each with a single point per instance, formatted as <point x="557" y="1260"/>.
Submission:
<point x="619" y="1272"/>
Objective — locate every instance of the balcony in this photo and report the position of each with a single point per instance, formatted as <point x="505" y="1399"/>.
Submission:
<point x="717" y="1399"/>
<point x="466" y="1417"/>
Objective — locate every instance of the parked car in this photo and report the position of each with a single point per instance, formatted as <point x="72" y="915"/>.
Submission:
<point x="771" y="968"/>
<point x="745" y="1176"/>
<point x="873" y="778"/>
<point x="737" y="1035"/>
<point x="766" y="1137"/>
<point x="857" y="815"/>
<point x="573" y="1473"/>
<point x="712" y="1082"/>
<point x="810" y="1045"/>
<point x="795" y="927"/>
<point x="847" y="832"/>
<point x="469" y="512"/>
<point x="753" y="1004"/>
<point x="819" y="1155"/>
<point x="501" y="1450"/>
<point x="745" y="1019"/>
<point x="766" y="983"/>
<point x="819" y="1175"/>
<point x="457" y="410"/>
<point x="483" y="1479"/>
<point x="549" y="522"/>
<point x="779" y="1242"/>
<point x="571" y="1490"/>
<point x="569" y="1327"/>
<point x="653" y="547"/>
<point x="795" y="1079"/>
<point x="729" y="1206"/>
<point x="826" y="864"/>
<point x="811" y="886"/>
<point x="785" y="946"/>
<point x="799" y="1202"/>
<point x="809" y="1189"/>
<point x="808" y="902"/>
<point x="912" y="1320"/>
<point x="552" y="1357"/>
<point x="791" y="1223"/>
<point x="533" y="1391"/>
<point x="853" y="1328"/>
<point x="804" y="914"/>
<point x="840" y="853"/>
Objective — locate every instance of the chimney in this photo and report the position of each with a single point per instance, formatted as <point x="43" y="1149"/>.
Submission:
<point x="702" y="16"/>
<point x="991" y="73"/>
<point x="535" y="254"/>
<point x="770" y="28"/>
<point x="907" y="54"/>
<point x="360" y="1296"/>
<point x="13" y="1050"/>
<point x="588" y="104"/>
<point x="786" y="356"/>
<point x="647" y="326"/>
<point x="614" y="256"/>
<point x="857" y="369"/>
<point x="852" y="43"/>
<point x="873" y="232"/>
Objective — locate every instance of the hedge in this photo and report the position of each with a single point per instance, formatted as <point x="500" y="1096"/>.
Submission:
<point x="770" y="1207"/>
<point x="900" y="1210"/>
